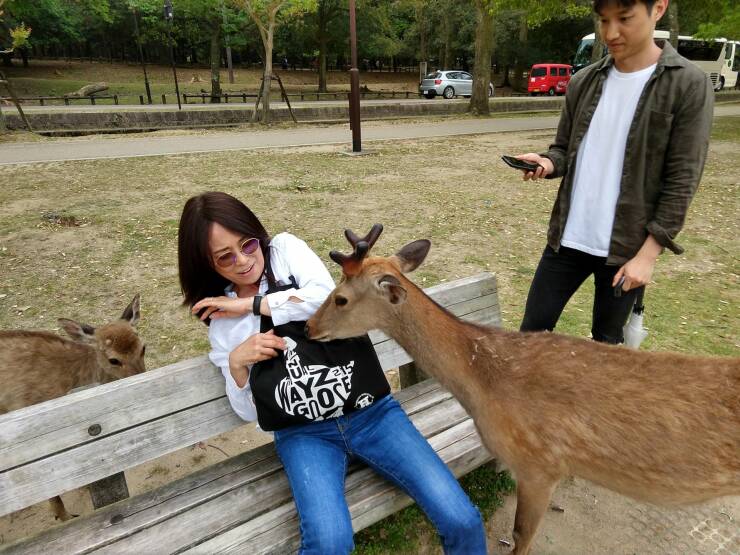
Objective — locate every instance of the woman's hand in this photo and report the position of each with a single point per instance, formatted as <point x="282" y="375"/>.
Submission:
<point x="223" y="307"/>
<point x="545" y="169"/>
<point x="259" y="347"/>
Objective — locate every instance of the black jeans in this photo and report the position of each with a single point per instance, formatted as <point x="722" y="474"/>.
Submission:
<point x="558" y="277"/>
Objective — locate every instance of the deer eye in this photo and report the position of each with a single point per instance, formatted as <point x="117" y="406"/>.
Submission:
<point x="114" y="361"/>
<point x="340" y="301"/>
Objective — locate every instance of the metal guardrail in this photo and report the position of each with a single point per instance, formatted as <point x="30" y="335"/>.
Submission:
<point x="302" y="95"/>
<point x="204" y="97"/>
<point x="42" y="99"/>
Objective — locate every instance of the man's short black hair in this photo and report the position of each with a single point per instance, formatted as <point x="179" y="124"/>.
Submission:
<point x="601" y="4"/>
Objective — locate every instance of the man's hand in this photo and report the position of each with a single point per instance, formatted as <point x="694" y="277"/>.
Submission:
<point x="639" y="270"/>
<point x="545" y="169"/>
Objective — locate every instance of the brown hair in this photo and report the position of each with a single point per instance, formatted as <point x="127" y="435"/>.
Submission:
<point x="198" y="278"/>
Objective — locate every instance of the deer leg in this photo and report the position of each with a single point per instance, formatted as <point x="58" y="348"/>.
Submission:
<point x="60" y="512"/>
<point x="532" y="498"/>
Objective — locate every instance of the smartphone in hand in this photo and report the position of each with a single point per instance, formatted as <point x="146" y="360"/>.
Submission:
<point x="518" y="164"/>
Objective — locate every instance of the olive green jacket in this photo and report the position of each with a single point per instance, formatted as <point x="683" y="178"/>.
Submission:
<point x="664" y="156"/>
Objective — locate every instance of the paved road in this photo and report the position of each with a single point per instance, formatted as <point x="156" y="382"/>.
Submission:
<point x="130" y="147"/>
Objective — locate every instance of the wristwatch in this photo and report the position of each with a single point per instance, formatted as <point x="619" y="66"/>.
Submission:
<point x="256" y="305"/>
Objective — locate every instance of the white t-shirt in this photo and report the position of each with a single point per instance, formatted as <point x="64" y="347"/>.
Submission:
<point x="290" y="256"/>
<point x="599" y="163"/>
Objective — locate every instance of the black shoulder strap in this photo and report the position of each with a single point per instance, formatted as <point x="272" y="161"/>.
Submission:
<point x="266" y="323"/>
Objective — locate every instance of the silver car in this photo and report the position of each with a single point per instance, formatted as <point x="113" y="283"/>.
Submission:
<point x="449" y="84"/>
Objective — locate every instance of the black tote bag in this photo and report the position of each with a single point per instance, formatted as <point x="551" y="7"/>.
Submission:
<point x="310" y="380"/>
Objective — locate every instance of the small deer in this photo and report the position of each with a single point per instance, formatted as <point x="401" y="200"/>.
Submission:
<point x="36" y="366"/>
<point x="659" y="427"/>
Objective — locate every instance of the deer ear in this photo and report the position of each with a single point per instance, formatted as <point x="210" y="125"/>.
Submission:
<point x="77" y="331"/>
<point x="413" y="254"/>
<point x="392" y="288"/>
<point x="131" y="314"/>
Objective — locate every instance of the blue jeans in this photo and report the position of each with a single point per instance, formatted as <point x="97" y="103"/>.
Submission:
<point x="315" y="457"/>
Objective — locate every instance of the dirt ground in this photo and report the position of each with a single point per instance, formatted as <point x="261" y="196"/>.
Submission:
<point x="586" y="519"/>
<point x="479" y="216"/>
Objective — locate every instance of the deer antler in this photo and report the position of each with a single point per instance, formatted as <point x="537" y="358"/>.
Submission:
<point x="351" y="263"/>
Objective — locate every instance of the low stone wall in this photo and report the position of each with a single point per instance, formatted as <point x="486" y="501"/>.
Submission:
<point x="118" y="118"/>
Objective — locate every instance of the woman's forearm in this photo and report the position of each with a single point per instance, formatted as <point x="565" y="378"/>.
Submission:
<point x="239" y="370"/>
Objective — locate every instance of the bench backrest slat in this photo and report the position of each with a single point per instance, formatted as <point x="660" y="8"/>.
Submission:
<point x="47" y="449"/>
<point x="57" y="425"/>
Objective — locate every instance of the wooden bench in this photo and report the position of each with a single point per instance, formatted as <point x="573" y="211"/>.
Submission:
<point x="242" y="504"/>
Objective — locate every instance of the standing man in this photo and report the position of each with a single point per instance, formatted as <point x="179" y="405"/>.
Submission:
<point x="630" y="146"/>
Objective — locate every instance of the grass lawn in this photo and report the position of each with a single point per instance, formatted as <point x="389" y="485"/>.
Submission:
<point x="79" y="239"/>
<point x="59" y="77"/>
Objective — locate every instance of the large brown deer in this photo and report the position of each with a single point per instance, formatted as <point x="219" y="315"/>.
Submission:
<point x="659" y="427"/>
<point x="36" y="366"/>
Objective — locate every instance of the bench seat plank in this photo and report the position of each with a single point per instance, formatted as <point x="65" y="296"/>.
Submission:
<point x="369" y="497"/>
<point x="237" y="506"/>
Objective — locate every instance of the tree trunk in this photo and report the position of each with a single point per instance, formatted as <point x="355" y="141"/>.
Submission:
<point x="598" y="48"/>
<point x="422" y="24"/>
<point x="216" y="63"/>
<point x="268" y="74"/>
<point x="483" y="53"/>
<point x="447" y="55"/>
<point x="519" y="84"/>
<point x="507" y="82"/>
<point x="3" y="126"/>
<point x="323" y="44"/>
<point x="673" y="22"/>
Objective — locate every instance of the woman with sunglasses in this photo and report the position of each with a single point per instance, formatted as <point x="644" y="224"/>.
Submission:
<point x="232" y="275"/>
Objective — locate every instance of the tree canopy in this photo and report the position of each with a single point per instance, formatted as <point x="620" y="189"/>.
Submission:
<point x="314" y="33"/>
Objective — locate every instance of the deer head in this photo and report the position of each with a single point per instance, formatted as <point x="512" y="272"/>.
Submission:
<point x="119" y="351"/>
<point x="372" y="289"/>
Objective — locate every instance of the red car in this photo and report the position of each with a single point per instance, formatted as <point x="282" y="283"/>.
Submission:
<point x="549" y="79"/>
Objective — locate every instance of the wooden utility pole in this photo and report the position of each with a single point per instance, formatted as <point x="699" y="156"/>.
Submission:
<point x="354" y="81"/>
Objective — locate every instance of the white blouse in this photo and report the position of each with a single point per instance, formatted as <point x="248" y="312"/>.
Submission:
<point x="290" y="256"/>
